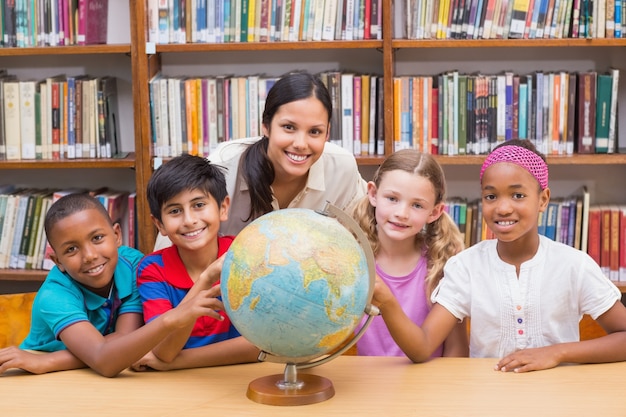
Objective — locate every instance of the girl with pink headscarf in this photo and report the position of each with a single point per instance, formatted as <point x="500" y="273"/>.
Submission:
<point x="525" y="294"/>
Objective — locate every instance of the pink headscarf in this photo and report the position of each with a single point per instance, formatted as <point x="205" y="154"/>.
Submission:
<point x="521" y="156"/>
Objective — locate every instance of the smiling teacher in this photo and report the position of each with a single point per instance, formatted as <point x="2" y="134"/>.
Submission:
<point x="292" y="165"/>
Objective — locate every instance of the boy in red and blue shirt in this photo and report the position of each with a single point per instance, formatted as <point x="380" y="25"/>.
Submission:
<point x="188" y="201"/>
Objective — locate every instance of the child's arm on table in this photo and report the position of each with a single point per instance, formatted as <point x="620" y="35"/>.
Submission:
<point x="173" y="344"/>
<point x="609" y="348"/>
<point x="228" y="352"/>
<point x="110" y="356"/>
<point x="37" y="362"/>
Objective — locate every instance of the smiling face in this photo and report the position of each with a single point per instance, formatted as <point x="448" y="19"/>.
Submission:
<point x="191" y="219"/>
<point x="404" y="203"/>
<point x="297" y="135"/>
<point x="512" y="201"/>
<point x="85" y="246"/>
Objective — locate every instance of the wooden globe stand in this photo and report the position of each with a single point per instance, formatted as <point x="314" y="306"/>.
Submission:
<point x="290" y="389"/>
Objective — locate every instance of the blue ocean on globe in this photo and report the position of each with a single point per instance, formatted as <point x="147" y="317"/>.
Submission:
<point x="295" y="283"/>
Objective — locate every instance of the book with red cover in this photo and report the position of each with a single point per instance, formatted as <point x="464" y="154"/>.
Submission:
<point x="614" y="244"/>
<point x="92" y="21"/>
<point x="622" y="250"/>
<point x="594" y="241"/>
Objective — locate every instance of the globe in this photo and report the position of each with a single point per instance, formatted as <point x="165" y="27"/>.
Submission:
<point x="296" y="284"/>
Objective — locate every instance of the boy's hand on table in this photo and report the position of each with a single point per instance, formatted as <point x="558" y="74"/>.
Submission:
<point x="15" y="358"/>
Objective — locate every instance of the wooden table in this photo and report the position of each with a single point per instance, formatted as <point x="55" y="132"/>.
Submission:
<point x="364" y="386"/>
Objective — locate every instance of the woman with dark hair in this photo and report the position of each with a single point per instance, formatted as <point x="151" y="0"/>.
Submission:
<point x="292" y="164"/>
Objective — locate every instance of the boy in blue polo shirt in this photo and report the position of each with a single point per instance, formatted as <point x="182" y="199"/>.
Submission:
<point x="88" y="311"/>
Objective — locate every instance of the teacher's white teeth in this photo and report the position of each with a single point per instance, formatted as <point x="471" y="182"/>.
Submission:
<point x="298" y="158"/>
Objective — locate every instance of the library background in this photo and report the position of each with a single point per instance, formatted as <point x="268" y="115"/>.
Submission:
<point x="95" y="94"/>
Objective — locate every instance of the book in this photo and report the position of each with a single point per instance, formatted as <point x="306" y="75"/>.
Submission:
<point x="153" y="21"/>
<point x="131" y="220"/>
<point x="357" y="102"/>
<point x="37" y="229"/>
<point x="570" y="137"/>
<point x="329" y="20"/>
<point x="551" y="219"/>
<point x="53" y="108"/>
<point x="603" y="112"/>
<point x="613" y="116"/>
<point x="365" y="114"/>
<point x="110" y="116"/>
<point x="586" y="112"/>
<point x="211" y="86"/>
<point x="89" y="118"/>
<point x="28" y="234"/>
<point x="605" y="239"/>
<point x="518" y="18"/>
<point x="347" y="107"/>
<point x="594" y="233"/>
<point x="9" y="229"/>
<point x="469" y="220"/>
<point x="27" y="119"/>
<point x="92" y="22"/>
<point x="373" y="101"/>
<point x="614" y="242"/>
<point x="584" y="197"/>
<point x="622" y="251"/>
<point x="12" y="120"/>
<point x="20" y="219"/>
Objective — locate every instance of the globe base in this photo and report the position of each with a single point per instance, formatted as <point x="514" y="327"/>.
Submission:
<point x="313" y="389"/>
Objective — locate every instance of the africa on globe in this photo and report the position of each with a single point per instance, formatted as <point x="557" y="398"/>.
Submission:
<point x="295" y="283"/>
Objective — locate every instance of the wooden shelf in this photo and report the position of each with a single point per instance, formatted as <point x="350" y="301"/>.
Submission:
<point x="590" y="159"/>
<point x="268" y="46"/>
<point x="126" y="162"/>
<point x="506" y="43"/>
<point x="67" y="50"/>
<point x="38" y="275"/>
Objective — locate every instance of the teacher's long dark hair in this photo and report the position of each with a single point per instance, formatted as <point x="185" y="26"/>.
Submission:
<point x="256" y="166"/>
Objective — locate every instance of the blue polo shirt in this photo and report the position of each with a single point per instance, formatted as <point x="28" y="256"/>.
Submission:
<point x="61" y="302"/>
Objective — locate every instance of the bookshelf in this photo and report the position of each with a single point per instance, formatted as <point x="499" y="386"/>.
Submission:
<point x="114" y="58"/>
<point x="138" y="61"/>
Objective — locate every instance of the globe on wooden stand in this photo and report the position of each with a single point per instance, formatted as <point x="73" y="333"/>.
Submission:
<point x="297" y="283"/>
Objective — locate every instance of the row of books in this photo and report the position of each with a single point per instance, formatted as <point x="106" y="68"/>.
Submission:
<point x="29" y="23"/>
<point x="599" y="230"/>
<point x="455" y="114"/>
<point x="23" y="243"/>
<point x="510" y="19"/>
<point x="194" y="115"/>
<point x="226" y="21"/>
<point x="60" y="117"/>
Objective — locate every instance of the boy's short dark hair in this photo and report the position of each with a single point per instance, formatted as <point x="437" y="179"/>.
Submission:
<point x="70" y="204"/>
<point x="181" y="173"/>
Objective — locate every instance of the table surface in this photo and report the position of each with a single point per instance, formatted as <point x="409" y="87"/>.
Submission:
<point x="364" y="386"/>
